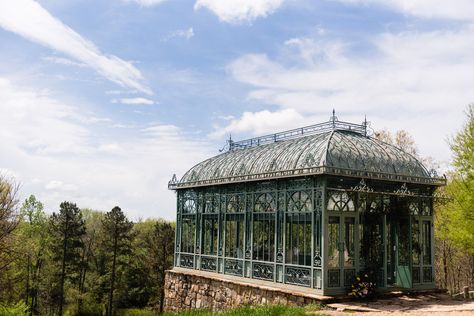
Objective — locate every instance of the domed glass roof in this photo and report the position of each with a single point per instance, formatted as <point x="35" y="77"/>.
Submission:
<point x="330" y="148"/>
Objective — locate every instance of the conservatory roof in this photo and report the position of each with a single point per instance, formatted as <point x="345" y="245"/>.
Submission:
<point x="333" y="147"/>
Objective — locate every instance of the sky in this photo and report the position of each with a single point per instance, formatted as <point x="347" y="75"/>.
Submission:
<point x="101" y="102"/>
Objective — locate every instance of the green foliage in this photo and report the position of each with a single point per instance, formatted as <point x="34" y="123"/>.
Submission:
<point x="264" y="310"/>
<point x="67" y="230"/>
<point x="19" y="309"/>
<point x="459" y="211"/>
<point x="135" y="312"/>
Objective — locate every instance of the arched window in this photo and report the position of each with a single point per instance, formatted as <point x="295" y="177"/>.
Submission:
<point x="340" y="202"/>
<point x="189" y="206"/>
<point x="265" y="202"/>
<point x="300" y="201"/>
<point x="211" y="203"/>
<point x="298" y="228"/>
<point x="264" y="227"/>
<point x="235" y="203"/>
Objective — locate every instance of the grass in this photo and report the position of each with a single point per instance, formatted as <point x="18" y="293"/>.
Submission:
<point x="266" y="310"/>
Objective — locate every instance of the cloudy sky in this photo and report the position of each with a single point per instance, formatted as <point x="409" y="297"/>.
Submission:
<point x="102" y="101"/>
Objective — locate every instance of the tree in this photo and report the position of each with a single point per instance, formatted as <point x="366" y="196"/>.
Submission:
<point x="461" y="187"/>
<point x="402" y="140"/>
<point x="67" y="229"/>
<point x="161" y="245"/>
<point x="8" y="219"/>
<point x="32" y="243"/>
<point x="117" y="239"/>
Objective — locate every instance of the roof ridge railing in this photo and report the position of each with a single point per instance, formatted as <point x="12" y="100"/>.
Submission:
<point x="331" y="125"/>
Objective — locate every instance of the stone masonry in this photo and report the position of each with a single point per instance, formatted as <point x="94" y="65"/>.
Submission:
<point x="188" y="289"/>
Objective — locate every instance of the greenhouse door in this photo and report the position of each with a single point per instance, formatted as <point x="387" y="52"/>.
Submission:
<point x="398" y="255"/>
<point x="341" y="261"/>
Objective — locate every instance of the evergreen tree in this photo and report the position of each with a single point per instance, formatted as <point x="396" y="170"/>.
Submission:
<point x="67" y="230"/>
<point x="161" y="255"/>
<point x="117" y="240"/>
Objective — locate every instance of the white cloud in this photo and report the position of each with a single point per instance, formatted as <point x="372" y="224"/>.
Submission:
<point x="260" y="123"/>
<point x="418" y="81"/>
<point x="63" y="61"/>
<point x="30" y="20"/>
<point x="56" y="154"/>
<point x="452" y="9"/>
<point x="147" y="3"/>
<point x="134" y="101"/>
<point x="186" y="33"/>
<point x="237" y="11"/>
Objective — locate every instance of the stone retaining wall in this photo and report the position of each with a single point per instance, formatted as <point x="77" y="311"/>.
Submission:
<point x="190" y="291"/>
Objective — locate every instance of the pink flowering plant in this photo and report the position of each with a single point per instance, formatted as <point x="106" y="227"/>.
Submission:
<point x="363" y="286"/>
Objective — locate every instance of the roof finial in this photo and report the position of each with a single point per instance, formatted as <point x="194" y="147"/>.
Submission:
<point x="333" y="118"/>
<point x="365" y="125"/>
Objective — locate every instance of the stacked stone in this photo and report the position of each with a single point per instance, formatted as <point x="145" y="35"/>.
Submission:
<point x="185" y="291"/>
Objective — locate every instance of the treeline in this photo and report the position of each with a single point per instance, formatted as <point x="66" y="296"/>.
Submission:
<point x="454" y="215"/>
<point x="79" y="261"/>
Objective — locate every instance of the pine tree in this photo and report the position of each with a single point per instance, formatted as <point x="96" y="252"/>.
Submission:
<point x="117" y="239"/>
<point x="67" y="230"/>
<point x="161" y="255"/>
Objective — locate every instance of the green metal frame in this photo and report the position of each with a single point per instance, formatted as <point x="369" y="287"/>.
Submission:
<point x="266" y="182"/>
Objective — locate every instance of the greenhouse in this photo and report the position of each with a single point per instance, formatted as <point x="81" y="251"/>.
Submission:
<point x="311" y="207"/>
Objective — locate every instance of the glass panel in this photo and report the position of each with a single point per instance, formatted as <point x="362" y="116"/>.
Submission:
<point x="265" y="203"/>
<point x="426" y="243"/>
<point x="298" y="238"/>
<point x="189" y="206"/>
<point x="235" y="203"/>
<point x="371" y="241"/>
<point x="349" y="245"/>
<point x="264" y="237"/>
<point x="234" y="236"/>
<point x="212" y="204"/>
<point x="209" y="238"/>
<point x="340" y="201"/>
<point x="299" y="202"/>
<point x="188" y="234"/>
<point x="333" y="242"/>
<point x="415" y="241"/>
<point x="404" y="243"/>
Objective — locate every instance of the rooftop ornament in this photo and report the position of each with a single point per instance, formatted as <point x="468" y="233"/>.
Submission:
<point x="332" y="125"/>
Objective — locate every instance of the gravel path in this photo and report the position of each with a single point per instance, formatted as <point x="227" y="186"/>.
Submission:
<point x="433" y="305"/>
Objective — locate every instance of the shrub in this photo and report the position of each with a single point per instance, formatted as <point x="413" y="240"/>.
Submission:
<point x="19" y="309"/>
<point x="364" y="285"/>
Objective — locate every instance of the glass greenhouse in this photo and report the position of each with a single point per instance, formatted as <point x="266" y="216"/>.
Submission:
<point x="310" y="207"/>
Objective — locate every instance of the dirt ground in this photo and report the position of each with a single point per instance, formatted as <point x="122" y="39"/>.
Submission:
<point x="432" y="304"/>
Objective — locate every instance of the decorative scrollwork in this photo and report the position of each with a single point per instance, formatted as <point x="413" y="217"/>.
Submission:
<point x="233" y="267"/>
<point x="265" y="202"/>
<point x="186" y="261"/>
<point x="248" y="253"/>
<point x="362" y="187"/>
<point x="300" y="201"/>
<point x="298" y="276"/>
<point x="404" y="191"/>
<point x="208" y="264"/>
<point x="279" y="256"/>
<point x="263" y="271"/>
<point x="317" y="259"/>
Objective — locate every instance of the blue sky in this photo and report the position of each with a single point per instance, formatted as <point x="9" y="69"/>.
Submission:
<point x="102" y="101"/>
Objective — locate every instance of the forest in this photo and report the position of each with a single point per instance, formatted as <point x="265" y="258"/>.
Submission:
<point x="74" y="261"/>
<point x="79" y="261"/>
